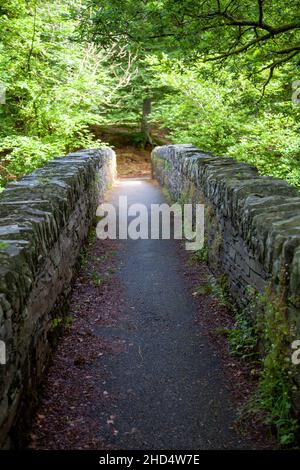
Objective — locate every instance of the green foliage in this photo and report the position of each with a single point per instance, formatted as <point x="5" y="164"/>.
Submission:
<point x="219" y="111"/>
<point x="262" y="336"/>
<point x="26" y="153"/>
<point x="267" y="32"/>
<point x="96" y="278"/>
<point x="218" y="288"/>
<point x="58" y="86"/>
<point x="199" y="255"/>
<point x="272" y="144"/>
<point x="55" y="87"/>
<point x="243" y="338"/>
<point x="60" y="323"/>
<point x="276" y="384"/>
<point x="57" y="322"/>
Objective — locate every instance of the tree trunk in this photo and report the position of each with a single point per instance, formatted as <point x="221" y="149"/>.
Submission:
<point x="145" y="126"/>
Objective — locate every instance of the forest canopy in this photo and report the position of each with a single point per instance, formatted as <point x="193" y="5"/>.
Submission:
<point x="212" y="30"/>
<point x="222" y="75"/>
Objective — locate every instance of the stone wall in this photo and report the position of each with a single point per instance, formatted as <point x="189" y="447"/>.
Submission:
<point x="45" y="217"/>
<point x="252" y="222"/>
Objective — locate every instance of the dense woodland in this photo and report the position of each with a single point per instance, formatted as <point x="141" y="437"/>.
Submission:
<point x="220" y="74"/>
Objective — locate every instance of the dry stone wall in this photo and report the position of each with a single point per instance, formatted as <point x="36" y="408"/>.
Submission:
<point x="252" y="225"/>
<point x="45" y="218"/>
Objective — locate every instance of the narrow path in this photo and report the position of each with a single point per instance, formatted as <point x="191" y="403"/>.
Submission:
<point x="168" y="383"/>
<point x="155" y="381"/>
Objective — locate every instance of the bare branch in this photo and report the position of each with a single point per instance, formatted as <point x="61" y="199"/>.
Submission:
<point x="287" y="50"/>
<point x="32" y="38"/>
<point x="272" y="67"/>
<point x="261" y="12"/>
<point x="256" y="41"/>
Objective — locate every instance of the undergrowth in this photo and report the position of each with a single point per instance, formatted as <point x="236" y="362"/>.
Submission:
<point x="275" y="386"/>
<point x="261" y="335"/>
